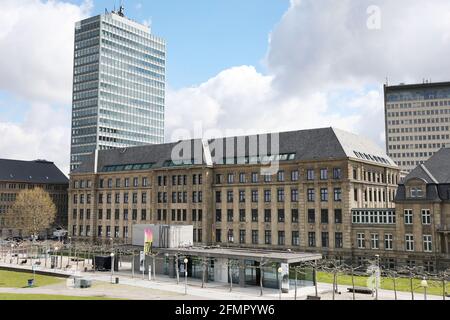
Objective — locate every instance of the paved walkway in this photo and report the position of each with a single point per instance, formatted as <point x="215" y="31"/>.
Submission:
<point x="165" y="288"/>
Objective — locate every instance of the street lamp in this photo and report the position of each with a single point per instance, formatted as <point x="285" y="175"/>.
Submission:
<point x="185" y="275"/>
<point x="280" y="270"/>
<point x="377" y="274"/>
<point x="112" y="266"/>
<point x="424" y="285"/>
<point x="12" y="252"/>
<point x="56" y="257"/>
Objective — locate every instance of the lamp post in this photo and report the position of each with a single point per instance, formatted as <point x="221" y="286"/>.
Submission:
<point x="112" y="266"/>
<point x="377" y="274"/>
<point x="280" y="270"/>
<point x="56" y="258"/>
<point x="185" y="275"/>
<point x="70" y="251"/>
<point x="424" y="285"/>
<point x="12" y="252"/>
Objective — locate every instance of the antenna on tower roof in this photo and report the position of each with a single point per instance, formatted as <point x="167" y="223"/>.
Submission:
<point x="121" y="9"/>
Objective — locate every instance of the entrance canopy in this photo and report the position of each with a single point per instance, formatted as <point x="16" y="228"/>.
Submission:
<point x="245" y="254"/>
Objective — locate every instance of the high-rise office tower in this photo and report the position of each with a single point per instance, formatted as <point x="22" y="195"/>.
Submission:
<point x="417" y="122"/>
<point x="118" y="85"/>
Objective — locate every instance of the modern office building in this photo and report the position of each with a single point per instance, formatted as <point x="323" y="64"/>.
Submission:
<point x="16" y="175"/>
<point x="118" y="85"/>
<point x="423" y="203"/>
<point x="331" y="187"/>
<point x="417" y="122"/>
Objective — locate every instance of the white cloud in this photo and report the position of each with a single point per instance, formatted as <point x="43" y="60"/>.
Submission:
<point x="326" y="68"/>
<point x="36" y="45"/>
<point x="36" y="42"/>
<point x="44" y="134"/>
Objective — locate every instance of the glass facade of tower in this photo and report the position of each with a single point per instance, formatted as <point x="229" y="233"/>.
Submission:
<point x="118" y="86"/>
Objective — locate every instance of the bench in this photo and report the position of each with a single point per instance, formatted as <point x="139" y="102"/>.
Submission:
<point x="312" y="298"/>
<point x="360" y="290"/>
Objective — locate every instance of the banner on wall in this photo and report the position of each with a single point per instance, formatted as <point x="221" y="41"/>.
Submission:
<point x="148" y="240"/>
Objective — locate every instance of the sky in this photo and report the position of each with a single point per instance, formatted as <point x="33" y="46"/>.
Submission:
<point x="234" y="66"/>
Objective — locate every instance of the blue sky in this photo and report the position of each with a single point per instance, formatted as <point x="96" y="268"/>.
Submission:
<point x="325" y="65"/>
<point x="205" y="37"/>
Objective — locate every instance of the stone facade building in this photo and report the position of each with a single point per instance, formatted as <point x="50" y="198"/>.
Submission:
<point x="423" y="209"/>
<point x="16" y="176"/>
<point x="326" y="179"/>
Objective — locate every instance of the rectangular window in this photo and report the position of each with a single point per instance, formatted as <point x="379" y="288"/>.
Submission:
<point x="374" y="239"/>
<point x="242" y="215"/>
<point x="254" y="196"/>
<point x="268" y="237"/>
<point x="337" y="173"/>
<point x="427" y="243"/>
<point x="267" y="196"/>
<point x="230" y="215"/>
<point x="241" y="196"/>
<point x="218" y="235"/>
<point x="280" y="195"/>
<point x="311" y="216"/>
<point x="409" y="242"/>
<point x="294" y="195"/>
<point x="294" y="175"/>
<point x="143" y="215"/>
<point x="426" y="217"/>
<point x="117" y="214"/>
<point x="311" y="239"/>
<point x="323" y="174"/>
<point x="325" y="240"/>
<point x="310" y="174"/>
<point x="324" y="195"/>
<point x="267" y="178"/>
<point x="338" y="216"/>
<point x="280" y="176"/>
<point x="231" y="236"/>
<point x="337" y="194"/>
<point x="108" y="214"/>
<point x="242" y="178"/>
<point x="281" y="238"/>
<point x="255" y="237"/>
<point x="361" y="240"/>
<point x="281" y="217"/>
<point x="230" y="196"/>
<point x="408" y="216"/>
<point x="338" y="240"/>
<point x="388" y="242"/>
<point x="242" y="236"/>
<point x="230" y="178"/>
<point x="218" y="215"/>
<point x="324" y="216"/>
<point x="135" y="182"/>
<point x="267" y="215"/>
<point x="218" y="197"/>
<point x="254" y="177"/>
<point x="254" y="215"/>
<point x="311" y="195"/>
<point x="295" y="238"/>
<point x="294" y="213"/>
<point x="100" y="214"/>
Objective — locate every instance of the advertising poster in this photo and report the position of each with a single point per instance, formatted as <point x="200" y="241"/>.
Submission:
<point x="148" y="239"/>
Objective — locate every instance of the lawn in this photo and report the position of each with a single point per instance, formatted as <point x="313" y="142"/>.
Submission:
<point x="402" y="284"/>
<point x="14" y="296"/>
<point x="12" y="279"/>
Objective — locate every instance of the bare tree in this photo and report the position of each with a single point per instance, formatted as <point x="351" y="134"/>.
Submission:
<point x="32" y="212"/>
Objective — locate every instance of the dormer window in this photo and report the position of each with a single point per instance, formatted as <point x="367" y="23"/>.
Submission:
<point x="416" y="192"/>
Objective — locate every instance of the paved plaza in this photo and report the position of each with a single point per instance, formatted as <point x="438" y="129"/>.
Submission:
<point x="137" y="287"/>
